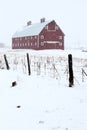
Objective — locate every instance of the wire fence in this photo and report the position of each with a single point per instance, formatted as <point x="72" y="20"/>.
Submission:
<point x="51" y="66"/>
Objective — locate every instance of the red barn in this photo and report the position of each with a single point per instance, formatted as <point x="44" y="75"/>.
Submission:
<point x="39" y="36"/>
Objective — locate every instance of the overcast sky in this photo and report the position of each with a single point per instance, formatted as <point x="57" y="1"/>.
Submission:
<point x="70" y="15"/>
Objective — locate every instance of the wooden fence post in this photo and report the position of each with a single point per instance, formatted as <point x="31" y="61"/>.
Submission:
<point x="6" y="62"/>
<point x="29" y="71"/>
<point x="71" y="81"/>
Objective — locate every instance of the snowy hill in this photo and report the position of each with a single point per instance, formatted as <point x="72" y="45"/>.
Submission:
<point x="45" y="100"/>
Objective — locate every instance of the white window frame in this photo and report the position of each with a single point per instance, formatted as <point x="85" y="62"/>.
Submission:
<point x="60" y="44"/>
<point x="46" y="27"/>
<point x="28" y="44"/>
<point x="42" y="43"/>
<point x="60" y="37"/>
<point x="42" y="36"/>
<point x="31" y="43"/>
<point x="56" y="27"/>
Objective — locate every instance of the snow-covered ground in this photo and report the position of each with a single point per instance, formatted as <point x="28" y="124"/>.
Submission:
<point x="46" y="101"/>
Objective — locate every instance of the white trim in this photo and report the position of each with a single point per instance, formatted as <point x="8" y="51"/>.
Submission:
<point x="51" y="42"/>
<point x="51" y="30"/>
<point x="60" y="37"/>
<point x="38" y="41"/>
<point x="42" y="43"/>
<point x="42" y="36"/>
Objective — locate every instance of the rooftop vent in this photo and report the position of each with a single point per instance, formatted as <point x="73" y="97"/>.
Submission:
<point x="29" y="23"/>
<point x="42" y="20"/>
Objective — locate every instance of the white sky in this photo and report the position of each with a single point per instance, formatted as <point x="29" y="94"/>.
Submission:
<point x="70" y="15"/>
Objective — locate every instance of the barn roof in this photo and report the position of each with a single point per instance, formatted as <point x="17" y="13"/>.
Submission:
<point x="31" y="30"/>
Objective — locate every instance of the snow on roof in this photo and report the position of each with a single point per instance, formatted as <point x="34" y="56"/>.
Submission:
<point x="30" y="30"/>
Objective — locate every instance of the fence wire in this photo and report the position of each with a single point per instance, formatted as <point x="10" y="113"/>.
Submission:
<point x="51" y="66"/>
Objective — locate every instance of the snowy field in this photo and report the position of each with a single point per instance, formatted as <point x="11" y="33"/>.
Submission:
<point x="45" y="100"/>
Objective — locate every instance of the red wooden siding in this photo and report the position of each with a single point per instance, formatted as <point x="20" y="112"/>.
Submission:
<point x="51" y="37"/>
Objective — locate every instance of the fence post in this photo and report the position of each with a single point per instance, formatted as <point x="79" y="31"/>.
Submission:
<point x="6" y="62"/>
<point x="71" y="81"/>
<point x="28" y="64"/>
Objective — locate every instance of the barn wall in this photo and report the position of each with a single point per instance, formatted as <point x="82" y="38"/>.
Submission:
<point x="51" y="33"/>
<point x="30" y="42"/>
<point x="51" y="37"/>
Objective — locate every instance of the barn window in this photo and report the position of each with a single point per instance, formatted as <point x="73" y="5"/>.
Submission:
<point x="60" y="37"/>
<point x="35" y="43"/>
<point x="42" y="36"/>
<point x="60" y="44"/>
<point x="31" y="43"/>
<point x="28" y="44"/>
<point x="46" y="27"/>
<point x="42" y="43"/>
<point x="56" y="27"/>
